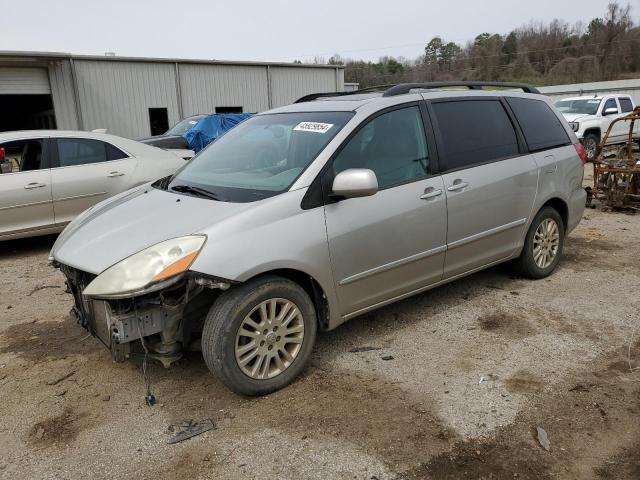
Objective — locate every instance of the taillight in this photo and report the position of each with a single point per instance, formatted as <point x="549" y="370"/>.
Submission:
<point x="582" y="153"/>
<point x="2" y="154"/>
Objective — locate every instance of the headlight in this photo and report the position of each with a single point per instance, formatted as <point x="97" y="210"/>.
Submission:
<point x="148" y="270"/>
<point x="575" y="126"/>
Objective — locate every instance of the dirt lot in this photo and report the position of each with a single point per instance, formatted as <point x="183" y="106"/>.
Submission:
<point x="477" y="366"/>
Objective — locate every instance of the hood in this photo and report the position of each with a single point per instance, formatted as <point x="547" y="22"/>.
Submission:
<point x="166" y="141"/>
<point x="576" y="117"/>
<point x="124" y="225"/>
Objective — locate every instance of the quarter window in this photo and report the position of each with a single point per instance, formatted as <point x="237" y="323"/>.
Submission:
<point x="393" y="145"/>
<point x="83" y="151"/>
<point x="625" y="104"/>
<point x="541" y="127"/>
<point x="473" y="132"/>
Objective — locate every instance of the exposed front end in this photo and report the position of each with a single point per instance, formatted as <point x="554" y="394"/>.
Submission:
<point x="165" y="323"/>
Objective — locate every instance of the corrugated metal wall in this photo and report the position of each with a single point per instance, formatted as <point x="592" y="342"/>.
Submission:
<point x="117" y="95"/>
<point x="62" y="93"/>
<point x="24" y="81"/>
<point x="290" y="83"/>
<point x="205" y="87"/>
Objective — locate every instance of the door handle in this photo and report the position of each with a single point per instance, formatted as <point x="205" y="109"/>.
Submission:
<point x="32" y="185"/>
<point x="430" y="193"/>
<point x="115" y="174"/>
<point x="457" y="185"/>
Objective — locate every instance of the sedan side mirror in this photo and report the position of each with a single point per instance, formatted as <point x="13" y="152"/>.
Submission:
<point x="610" y="111"/>
<point x="355" y="182"/>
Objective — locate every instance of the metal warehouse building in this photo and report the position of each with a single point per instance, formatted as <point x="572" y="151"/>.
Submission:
<point x="138" y="97"/>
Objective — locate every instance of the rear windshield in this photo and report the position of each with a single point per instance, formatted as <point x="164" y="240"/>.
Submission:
<point x="541" y="127"/>
<point x="183" y="126"/>
<point x="261" y="157"/>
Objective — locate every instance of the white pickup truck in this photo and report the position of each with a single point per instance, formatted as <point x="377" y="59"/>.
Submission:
<point x="590" y="117"/>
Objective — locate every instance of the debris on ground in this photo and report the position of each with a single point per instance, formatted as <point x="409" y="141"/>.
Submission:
<point x="387" y="357"/>
<point x="105" y="398"/>
<point x="40" y="287"/>
<point x="363" y="349"/>
<point x="57" y="380"/>
<point x="543" y="438"/>
<point x="187" y="429"/>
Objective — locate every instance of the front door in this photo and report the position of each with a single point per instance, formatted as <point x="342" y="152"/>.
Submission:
<point x="620" y="130"/>
<point x="86" y="171"/>
<point x="25" y="187"/>
<point x="393" y="242"/>
<point x="490" y="185"/>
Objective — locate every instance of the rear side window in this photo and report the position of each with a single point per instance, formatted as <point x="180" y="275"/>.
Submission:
<point x="541" y="127"/>
<point x="625" y="104"/>
<point x="84" y="151"/>
<point x="474" y="131"/>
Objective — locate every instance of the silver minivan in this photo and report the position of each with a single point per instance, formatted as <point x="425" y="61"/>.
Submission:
<point x="306" y="216"/>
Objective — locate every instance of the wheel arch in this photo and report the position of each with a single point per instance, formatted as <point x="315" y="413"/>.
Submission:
<point x="560" y="206"/>
<point x="594" y="130"/>
<point x="310" y="285"/>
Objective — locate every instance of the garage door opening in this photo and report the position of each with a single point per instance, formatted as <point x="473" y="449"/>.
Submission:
<point x="26" y="112"/>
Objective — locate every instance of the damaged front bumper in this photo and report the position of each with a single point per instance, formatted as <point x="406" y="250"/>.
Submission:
<point x="165" y="323"/>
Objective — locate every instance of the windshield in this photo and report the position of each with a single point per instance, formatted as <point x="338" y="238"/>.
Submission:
<point x="261" y="157"/>
<point x="587" y="106"/>
<point x="184" y="125"/>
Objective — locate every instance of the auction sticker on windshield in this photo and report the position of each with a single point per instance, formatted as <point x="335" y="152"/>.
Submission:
<point x="313" y="127"/>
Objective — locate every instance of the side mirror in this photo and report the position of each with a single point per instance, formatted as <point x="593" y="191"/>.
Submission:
<point x="610" y="111"/>
<point x="355" y="182"/>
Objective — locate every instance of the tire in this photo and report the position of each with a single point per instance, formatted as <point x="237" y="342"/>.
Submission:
<point x="224" y="347"/>
<point x="530" y="266"/>
<point x="591" y="143"/>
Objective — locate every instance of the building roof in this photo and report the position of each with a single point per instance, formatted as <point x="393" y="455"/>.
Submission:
<point x="25" y="56"/>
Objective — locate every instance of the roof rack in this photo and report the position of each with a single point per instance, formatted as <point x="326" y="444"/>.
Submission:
<point x="404" y="88"/>
<point x="315" y="96"/>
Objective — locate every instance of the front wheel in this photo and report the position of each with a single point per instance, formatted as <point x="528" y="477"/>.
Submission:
<point x="591" y="144"/>
<point x="258" y="337"/>
<point x="543" y="245"/>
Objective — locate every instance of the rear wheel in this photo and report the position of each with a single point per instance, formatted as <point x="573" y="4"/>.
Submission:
<point x="543" y="245"/>
<point x="591" y="144"/>
<point x="258" y="337"/>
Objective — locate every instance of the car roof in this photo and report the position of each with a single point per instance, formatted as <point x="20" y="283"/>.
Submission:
<point x="352" y="103"/>
<point x="132" y="147"/>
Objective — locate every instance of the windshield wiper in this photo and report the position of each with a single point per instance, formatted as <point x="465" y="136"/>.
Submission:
<point x="200" y="192"/>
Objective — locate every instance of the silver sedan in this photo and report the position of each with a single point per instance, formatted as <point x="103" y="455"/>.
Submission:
<point x="48" y="177"/>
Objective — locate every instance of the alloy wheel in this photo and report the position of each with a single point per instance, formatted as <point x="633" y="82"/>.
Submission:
<point x="269" y="338"/>
<point x="546" y="242"/>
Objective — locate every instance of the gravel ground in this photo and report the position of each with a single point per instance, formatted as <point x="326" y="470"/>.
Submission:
<point x="477" y="365"/>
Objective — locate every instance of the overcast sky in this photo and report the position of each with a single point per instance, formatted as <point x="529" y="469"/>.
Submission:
<point x="280" y="30"/>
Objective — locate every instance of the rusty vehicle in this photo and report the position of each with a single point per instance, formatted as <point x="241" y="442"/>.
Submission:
<point x="616" y="171"/>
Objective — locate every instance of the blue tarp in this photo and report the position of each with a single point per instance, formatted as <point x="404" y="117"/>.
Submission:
<point x="211" y="127"/>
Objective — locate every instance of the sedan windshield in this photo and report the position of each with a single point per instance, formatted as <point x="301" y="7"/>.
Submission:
<point x="586" y="106"/>
<point x="184" y="125"/>
<point x="259" y="158"/>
